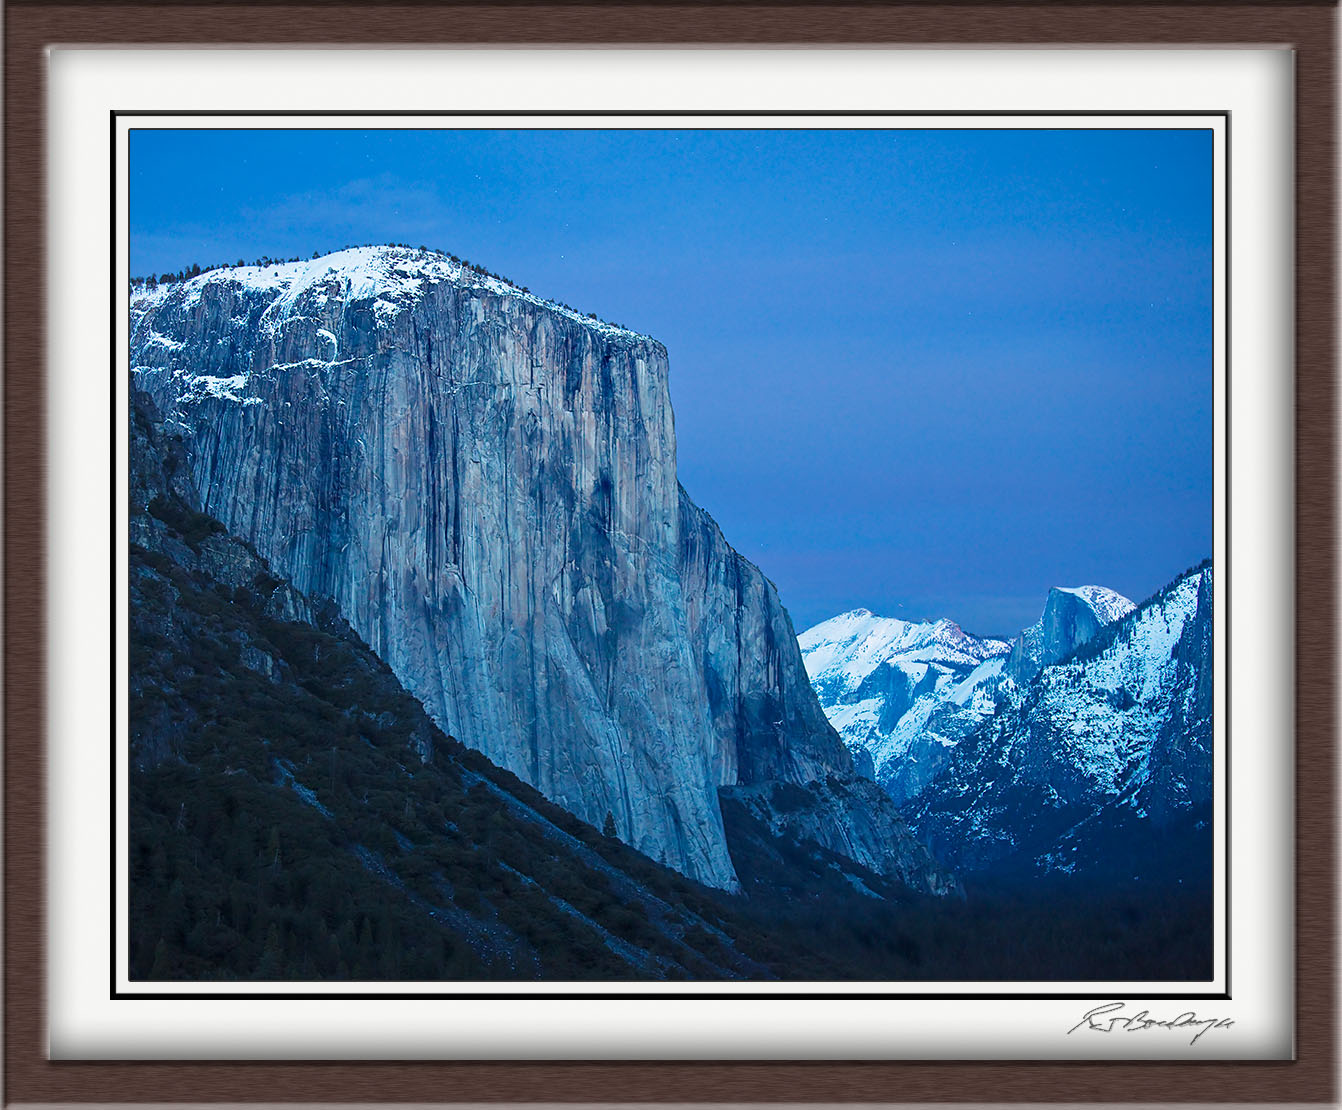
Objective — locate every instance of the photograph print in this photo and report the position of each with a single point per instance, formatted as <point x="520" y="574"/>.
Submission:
<point x="640" y="555"/>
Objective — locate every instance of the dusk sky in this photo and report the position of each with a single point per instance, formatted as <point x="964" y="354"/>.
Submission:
<point x="929" y="372"/>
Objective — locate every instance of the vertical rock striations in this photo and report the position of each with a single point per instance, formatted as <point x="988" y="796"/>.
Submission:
<point x="485" y="484"/>
<point x="765" y="716"/>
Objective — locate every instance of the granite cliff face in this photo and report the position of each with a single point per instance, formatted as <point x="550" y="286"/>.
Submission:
<point x="286" y="793"/>
<point x="485" y="485"/>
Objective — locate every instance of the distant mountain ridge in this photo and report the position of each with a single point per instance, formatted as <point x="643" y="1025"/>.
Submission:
<point x="1028" y="757"/>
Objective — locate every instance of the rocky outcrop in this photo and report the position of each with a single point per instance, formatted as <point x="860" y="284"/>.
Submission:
<point x="1071" y="618"/>
<point x="254" y="711"/>
<point x="485" y="484"/>
<point x="848" y="818"/>
<point x="758" y="695"/>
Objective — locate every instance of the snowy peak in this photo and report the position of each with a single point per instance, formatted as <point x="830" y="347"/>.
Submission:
<point x="881" y="679"/>
<point x="962" y="646"/>
<point x="856" y="643"/>
<point x="904" y="694"/>
<point x="1142" y="651"/>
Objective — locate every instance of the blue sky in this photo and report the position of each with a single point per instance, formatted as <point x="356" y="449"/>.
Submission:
<point x="927" y="372"/>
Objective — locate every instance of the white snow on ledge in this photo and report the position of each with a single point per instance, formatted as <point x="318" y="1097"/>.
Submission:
<point x="157" y="340"/>
<point x="387" y="274"/>
<point x="224" y="389"/>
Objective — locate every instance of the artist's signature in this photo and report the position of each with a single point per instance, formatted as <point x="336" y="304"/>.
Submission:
<point x="1110" y="1018"/>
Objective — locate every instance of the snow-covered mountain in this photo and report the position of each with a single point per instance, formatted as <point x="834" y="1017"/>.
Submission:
<point x="903" y="694"/>
<point x="1091" y="731"/>
<point x="1099" y="752"/>
<point x="900" y="693"/>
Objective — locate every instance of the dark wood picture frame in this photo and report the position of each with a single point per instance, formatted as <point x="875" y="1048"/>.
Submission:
<point x="1307" y="28"/>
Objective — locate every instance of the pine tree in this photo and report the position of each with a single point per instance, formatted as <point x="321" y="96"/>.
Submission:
<point x="608" y="829"/>
<point x="272" y="956"/>
<point x="365" y="953"/>
<point x="161" y="968"/>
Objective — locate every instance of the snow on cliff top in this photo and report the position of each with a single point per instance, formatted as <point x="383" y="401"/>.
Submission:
<point x="859" y="641"/>
<point x="1107" y="605"/>
<point x="391" y="274"/>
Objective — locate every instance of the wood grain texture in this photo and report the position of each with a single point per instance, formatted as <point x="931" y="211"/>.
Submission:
<point x="29" y="27"/>
<point x="1316" y="551"/>
<point x="728" y="23"/>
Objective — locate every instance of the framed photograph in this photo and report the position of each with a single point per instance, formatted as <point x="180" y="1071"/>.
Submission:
<point x="740" y="563"/>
